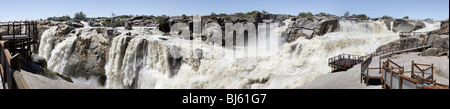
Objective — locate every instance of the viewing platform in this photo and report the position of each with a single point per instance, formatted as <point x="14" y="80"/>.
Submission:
<point x="15" y="44"/>
<point x="344" y="61"/>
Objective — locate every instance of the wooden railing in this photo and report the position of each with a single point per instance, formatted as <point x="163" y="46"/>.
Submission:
<point x="393" y="77"/>
<point x="356" y="58"/>
<point x="10" y="69"/>
<point x="429" y="69"/>
<point x="365" y="70"/>
<point x="30" y="28"/>
<point x="384" y="53"/>
<point x="406" y="34"/>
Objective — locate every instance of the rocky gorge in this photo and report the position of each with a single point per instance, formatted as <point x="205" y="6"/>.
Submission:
<point x="125" y="57"/>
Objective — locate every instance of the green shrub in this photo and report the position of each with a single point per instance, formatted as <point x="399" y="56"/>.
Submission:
<point x="62" y="18"/>
<point x="80" y="16"/>
<point x="239" y="14"/>
<point x="362" y="16"/>
<point x="253" y="12"/>
<point x="386" y="17"/>
<point x="113" y="24"/>
<point x="346" y="14"/>
<point x="428" y="19"/>
<point x="223" y="14"/>
<point x="161" y="19"/>
<point x="303" y="14"/>
<point x="213" y="14"/>
<point x="406" y="17"/>
<point x="49" y="74"/>
<point x="227" y="17"/>
<point x="124" y="16"/>
<point x="265" y="12"/>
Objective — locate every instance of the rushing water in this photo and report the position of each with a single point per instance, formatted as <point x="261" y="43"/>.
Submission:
<point x="149" y="60"/>
<point x="145" y="61"/>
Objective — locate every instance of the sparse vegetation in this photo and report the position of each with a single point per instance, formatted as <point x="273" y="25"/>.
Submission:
<point x="227" y="17"/>
<point x="113" y="23"/>
<point x="253" y="12"/>
<point x="223" y="14"/>
<point x="386" y="17"/>
<point x="406" y="17"/>
<point x="362" y="16"/>
<point x="239" y="14"/>
<point x="346" y="14"/>
<point x="62" y="18"/>
<point x="213" y="14"/>
<point x="49" y="74"/>
<point x="124" y="16"/>
<point x="308" y="15"/>
<point x="303" y="14"/>
<point x="80" y="16"/>
<point x="161" y="19"/>
<point x="428" y="19"/>
<point x="265" y="12"/>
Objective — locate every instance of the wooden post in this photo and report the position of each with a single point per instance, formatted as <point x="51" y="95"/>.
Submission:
<point x="20" y="28"/>
<point x="412" y="67"/>
<point x="432" y="71"/>
<point x="14" y="31"/>
<point x="367" y="76"/>
<point x="390" y="80"/>
<point x="360" y="78"/>
<point x="7" y="28"/>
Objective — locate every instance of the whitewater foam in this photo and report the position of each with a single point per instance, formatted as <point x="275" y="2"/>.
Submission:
<point x="146" y="62"/>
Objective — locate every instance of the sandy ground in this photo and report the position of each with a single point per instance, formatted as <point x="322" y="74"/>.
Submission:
<point x="350" y="79"/>
<point x="35" y="81"/>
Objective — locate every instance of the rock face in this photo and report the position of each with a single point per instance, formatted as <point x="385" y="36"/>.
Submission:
<point x="39" y="60"/>
<point x="81" y="52"/>
<point x="441" y="44"/>
<point x="400" y="43"/>
<point x="128" y="25"/>
<point x="309" y="28"/>
<point x="77" y="24"/>
<point x="444" y="27"/>
<point x="64" y="29"/>
<point x="403" y="25"/>
<point x="430" y="52"/>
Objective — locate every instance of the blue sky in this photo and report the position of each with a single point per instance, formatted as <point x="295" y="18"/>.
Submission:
<point x="36" y="9"/>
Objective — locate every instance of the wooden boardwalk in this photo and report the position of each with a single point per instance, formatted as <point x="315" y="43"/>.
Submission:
<point x="420" y="76"/>
<point x="344" y="61"/>
<point x="15" y="43"/>
<point x="408" y="34"/>
<point x="370" y="70"/>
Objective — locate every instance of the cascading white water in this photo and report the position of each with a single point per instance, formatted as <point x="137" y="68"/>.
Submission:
<point x="145" y="61"/>
<point x="46" y="42"/>
<point x="59" y="59"/>
<point x="430" y="26"/>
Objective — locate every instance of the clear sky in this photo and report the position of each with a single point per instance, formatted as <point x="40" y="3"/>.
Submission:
<point x="37" y="9"/>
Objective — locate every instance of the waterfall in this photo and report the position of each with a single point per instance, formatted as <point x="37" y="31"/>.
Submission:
<point x="46" y="43"/>
<point x="430" y="26"/>
<point x="146" y="62"/>
<point x="59" y="60"/>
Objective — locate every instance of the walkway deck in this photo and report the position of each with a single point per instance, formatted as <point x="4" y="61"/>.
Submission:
<point x="15" y="44"/>
<point x="344" y="61"/>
